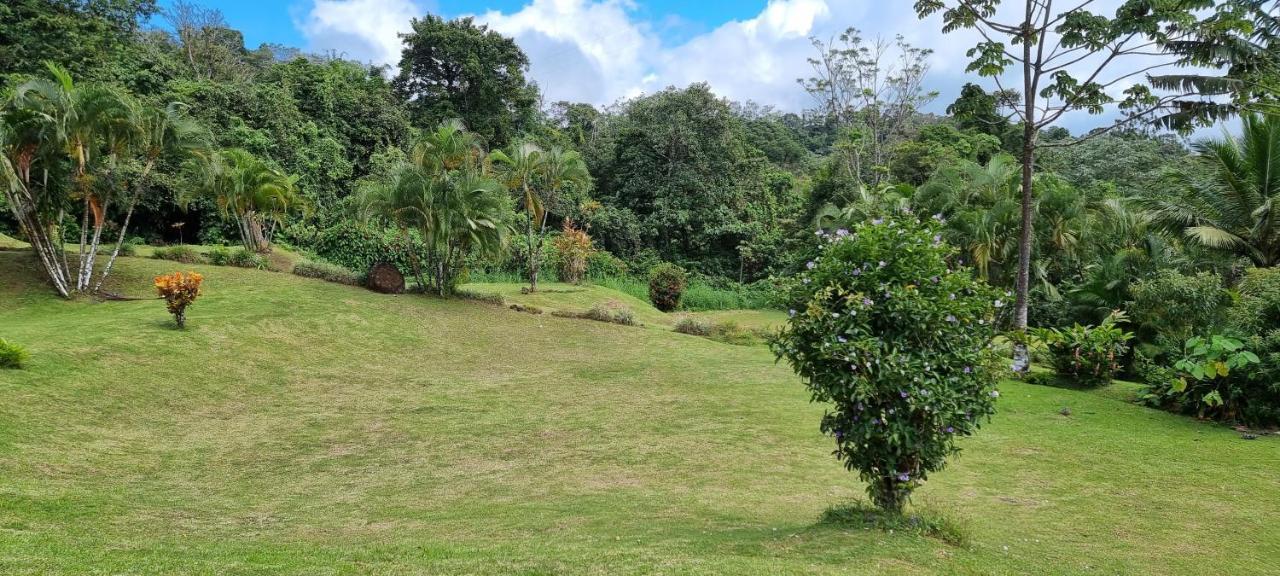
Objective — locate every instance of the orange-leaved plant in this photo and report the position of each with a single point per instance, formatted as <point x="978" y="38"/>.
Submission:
<point x="179" y="291"/>
<point x="574" y="246"/>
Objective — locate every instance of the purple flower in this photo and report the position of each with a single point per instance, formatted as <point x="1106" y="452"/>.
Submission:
<point x="853" y="367"/>
<point x="951" y="318"/>
<point x="937" y="239"/>
<point x="938" y="217"/>
<point x="841" y="339"/>
<point x="968" y="369"/>
<point x="995" y="393"/>
<point x="903" y="393"/>
<point x="904" y="477"/>
<point x="951" y="296"/>
<point x="857" y="272"/>
<point x="935" y="279"/>
<point x="878" y="221"/>
<point x="809" y="265"/>
<point x="950" y="430"/>
<point x="806" y="280"/>
<point x="842" y="232"/>
<point x="791" y="312"/>
<point x="867" y="302"/>
<point x="999" y="303"/>
<point x="882" y="263"/>
<point x="859" y="406"/>
<point x="839" y="435"/>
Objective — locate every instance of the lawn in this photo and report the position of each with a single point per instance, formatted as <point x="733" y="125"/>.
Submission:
<point x="301" y="427"/>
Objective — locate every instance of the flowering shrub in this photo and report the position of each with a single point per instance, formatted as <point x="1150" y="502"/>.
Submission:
<point x="666" y="286"/>
<point x="179" y="291"/>
<point x="574" y="248"/>
<point x="896" y="340"/>
<point x="1089" y="354"/>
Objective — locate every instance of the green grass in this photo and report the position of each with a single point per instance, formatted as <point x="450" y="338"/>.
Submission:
<point x="304" y="427"/>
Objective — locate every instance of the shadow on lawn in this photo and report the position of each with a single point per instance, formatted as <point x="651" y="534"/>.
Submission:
<point x="919" y="521"/>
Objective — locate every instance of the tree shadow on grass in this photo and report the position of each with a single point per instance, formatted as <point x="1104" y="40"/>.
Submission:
<point x="917" y="521"/>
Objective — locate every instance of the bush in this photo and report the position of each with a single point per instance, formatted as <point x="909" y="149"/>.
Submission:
<point x="1256" y="320"/>
<point x="327" y="272"/>
<point x="601" y="264"/>
<point x="181" y="253"/>
<point x="179" y="291"/>
<point x="693" y="326"/>
<point x="1170" y="307"/>
<point x="896" y="340"/>
<point x="243" y="258"/>
<point x="666" y="286"/>
<point x="219" y="256"/>
<point x="12" y="355"/>
<point x="573" y="247"/>
<point x="1210" y="380"/>
<point x="1088" y="354"/>
<point x="610" y="311"/>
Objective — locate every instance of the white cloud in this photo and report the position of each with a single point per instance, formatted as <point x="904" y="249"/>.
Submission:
<point x="365" y="30"/>
<point x="600" y="51"/>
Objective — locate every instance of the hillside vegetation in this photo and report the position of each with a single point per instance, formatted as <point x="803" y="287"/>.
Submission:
<point x="302" y="427"/>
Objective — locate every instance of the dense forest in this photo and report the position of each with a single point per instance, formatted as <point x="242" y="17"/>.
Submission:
<point x="266" y="145"/>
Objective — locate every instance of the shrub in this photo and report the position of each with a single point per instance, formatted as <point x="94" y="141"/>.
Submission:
<point x="219" y="256"/>
<point x="1088" y="354"/>
<point x="243" y="258"/>
<point x="666" y="286"/>
<point x="610" y="311"/>
<point x="602" y="264"/>
<point x="1170" y="307"/>
<point x="179" y="291"/>
<point x="327" y="272"/>
<point x="12" y="355"/>
<point x="896" y="340"/>
<point x="1210" y="379"/>
<point x="1256" y="320"/>
<point x="693" y="326"/>
<point x="574" y="248"/>
<point x="181" y="253"/>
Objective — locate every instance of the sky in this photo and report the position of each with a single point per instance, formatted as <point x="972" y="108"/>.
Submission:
<point x="601" y="51"/>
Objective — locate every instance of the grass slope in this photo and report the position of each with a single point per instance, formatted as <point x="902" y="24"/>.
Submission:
<point x="300" y="427"/>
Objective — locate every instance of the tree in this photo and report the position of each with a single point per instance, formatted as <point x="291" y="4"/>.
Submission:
<point x="873" y="99"/>
<point x="84" y="36"/>
<point x="446" y="197"/>
<point x="248" y="191"/>
<point x="894" y="337"/>
<point x="166" y="132"/>
<point x="1070" y="58"/>
<point x="1236" y="209"/>
<point x="65" y="144"/>
<point x="538" y="177"/>
<point x="458" y="69"/>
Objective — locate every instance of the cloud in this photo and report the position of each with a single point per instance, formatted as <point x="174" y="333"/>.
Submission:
<point x="600" y="51"/>
<point x="364" y="30"/>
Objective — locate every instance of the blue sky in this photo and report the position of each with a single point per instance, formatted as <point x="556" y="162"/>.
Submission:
<point x="602" y="51"/>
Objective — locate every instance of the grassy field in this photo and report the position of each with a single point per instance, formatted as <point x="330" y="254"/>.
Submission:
<point x="301" y="427"/>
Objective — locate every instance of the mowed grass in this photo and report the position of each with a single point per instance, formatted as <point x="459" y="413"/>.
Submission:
<point x="301" y="427"/>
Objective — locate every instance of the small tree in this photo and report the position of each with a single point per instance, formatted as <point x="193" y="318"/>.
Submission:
<point x="895" y="338"/>
<point x="179" y="291"/>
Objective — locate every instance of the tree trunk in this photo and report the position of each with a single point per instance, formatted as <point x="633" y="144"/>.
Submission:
<point x="124" y="229"/>
<point x="1021" y="359"/>
<point x="533" y="269"/>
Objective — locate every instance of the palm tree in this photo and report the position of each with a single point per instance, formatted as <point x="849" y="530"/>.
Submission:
<point x="250" y="192"/>
<point x="63" y="144"/>
<point x="1237" y="210"/>
<point x="538" y="177"/>
<point x="445" y="197"/>
<point x="166" y="131"/>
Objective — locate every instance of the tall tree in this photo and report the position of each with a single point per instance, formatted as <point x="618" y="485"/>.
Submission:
<point x="458" y="69"/>
<point x="871" y="93"/>
<point x="538" y="176"/>
<point x="1072" y="59"/>
<point x="84" y="36"/>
